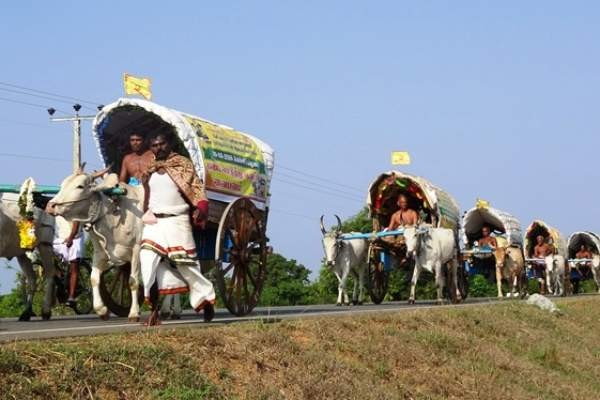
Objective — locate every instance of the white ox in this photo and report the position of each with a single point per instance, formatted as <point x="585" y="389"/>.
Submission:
<point x="596" y="270"/>
<point x="115" y="227"/>
<point x="557" y="273"/>
<point x="345" y="257"/>
<point x="432" y="249"/>
<point x="9" y="248"/>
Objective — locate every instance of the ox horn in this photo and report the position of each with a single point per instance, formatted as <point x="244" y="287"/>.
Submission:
<point x="339" y="221"/>
<point x="80" y="168"/>
<point x="323" y="230"/>
<point x="98" y="174"/>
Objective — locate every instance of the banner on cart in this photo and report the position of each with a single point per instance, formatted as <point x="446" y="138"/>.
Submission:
<point x="233" y="161"/>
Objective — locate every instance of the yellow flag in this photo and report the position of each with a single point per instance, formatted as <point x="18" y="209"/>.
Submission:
<point x="400" y="158"/>
<point x="135" y="85"/>
<point x="482" y="204"/>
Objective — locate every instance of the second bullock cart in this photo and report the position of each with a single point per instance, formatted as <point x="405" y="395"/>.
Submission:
<point x="435" y="207"/>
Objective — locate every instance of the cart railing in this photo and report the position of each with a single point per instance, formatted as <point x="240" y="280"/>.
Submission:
<point x="475" y="252"/>
<point x="569" y="260"/>
<point x="53" y="189"/>
<point x="377" y="235"/>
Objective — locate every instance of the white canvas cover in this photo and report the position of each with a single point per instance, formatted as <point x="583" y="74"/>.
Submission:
<point x="505" y="224"/>
<point x="441" y="203"/>
<point x="244" y="171"/>
<point x="556" y="239"/>
<point x="588" y="238"/>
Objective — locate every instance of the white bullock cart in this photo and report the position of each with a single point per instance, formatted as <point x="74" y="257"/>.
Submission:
<point x="584" y="268"/>
<point x="236" y="169"/>
<point x="436" y="208"/>
<point x="505" y="227"/>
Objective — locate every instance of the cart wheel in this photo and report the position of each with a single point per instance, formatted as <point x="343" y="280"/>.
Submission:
<point x="83" y="300"/>
<point x="114" y="290"/>
<point x="378" y="278"/>
<point x="241" y="255"/>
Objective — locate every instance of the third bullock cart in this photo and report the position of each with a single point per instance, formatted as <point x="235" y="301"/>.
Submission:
<point x="503" y="226"/>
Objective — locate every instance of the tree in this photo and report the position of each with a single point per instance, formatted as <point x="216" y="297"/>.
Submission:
<point x="286" y="282"/>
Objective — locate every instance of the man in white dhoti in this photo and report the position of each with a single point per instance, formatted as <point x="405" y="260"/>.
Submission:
<point x="168" y="254"/>
<point x="68" y="245"/>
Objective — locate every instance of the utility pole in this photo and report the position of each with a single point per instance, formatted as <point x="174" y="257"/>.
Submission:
<point x="76" y="119"/>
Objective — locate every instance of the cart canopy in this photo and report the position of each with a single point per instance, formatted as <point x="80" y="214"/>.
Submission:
<point x="434" y="205"/>
<point x="231" y="163"/>
<point x="501" y="223"/>
<point x="590" y="239"/>
<point x="552" y="235"/>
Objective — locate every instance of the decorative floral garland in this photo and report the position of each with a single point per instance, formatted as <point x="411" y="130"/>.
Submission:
<point x="26" y="225"/>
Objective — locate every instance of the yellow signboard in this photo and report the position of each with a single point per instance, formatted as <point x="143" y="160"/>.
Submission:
<point x="135" y="85"/>
<point x="233" y="161"/>
<point x="400" y="158"/>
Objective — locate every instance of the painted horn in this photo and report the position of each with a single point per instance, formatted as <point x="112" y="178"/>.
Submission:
<point x="339" y="221"/>
<point x="323" y="230"/>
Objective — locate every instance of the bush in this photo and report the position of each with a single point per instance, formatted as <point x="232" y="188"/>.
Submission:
<point x="479" y="286"/>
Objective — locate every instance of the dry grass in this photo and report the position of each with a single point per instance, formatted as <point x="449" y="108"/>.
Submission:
<point x="487" y="352"/>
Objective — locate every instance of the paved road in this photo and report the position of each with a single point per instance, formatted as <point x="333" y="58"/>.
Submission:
<point x="11" y="329"/>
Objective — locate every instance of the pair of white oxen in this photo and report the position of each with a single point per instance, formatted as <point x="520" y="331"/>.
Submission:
<point x="114" y="226"/>
<point x="432" y="249"/>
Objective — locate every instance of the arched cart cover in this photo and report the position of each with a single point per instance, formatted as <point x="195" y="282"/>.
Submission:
<point x="231" y="163"/>
<point x="590" y="239"/>
<point x="501" y="222"/>
<point x="552" y="235"/>
<point x="433" y="204"/>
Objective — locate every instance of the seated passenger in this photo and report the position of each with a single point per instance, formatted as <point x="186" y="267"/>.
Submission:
<point x="579" y="270"/>
<point x="541" y="250"/>
<point x="583" y="253"/>
<point x="486" y="239"/>
<point x="405" y="216"/>
<point x="135" y="164"/>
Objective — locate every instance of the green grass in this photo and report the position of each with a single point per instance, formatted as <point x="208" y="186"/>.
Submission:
<point x="510" y="350"/>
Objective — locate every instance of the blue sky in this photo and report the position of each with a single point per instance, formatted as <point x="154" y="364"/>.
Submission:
<point x="493" y="99"/>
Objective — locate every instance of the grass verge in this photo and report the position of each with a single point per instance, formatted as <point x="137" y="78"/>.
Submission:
<point x="503" y="351"/>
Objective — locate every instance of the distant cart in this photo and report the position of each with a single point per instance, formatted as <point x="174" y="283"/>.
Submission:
<point x="581" y="268"/>
<point x="435" y="207"/>
<point x="505" y="227"/>
<point x="551" y="235"/>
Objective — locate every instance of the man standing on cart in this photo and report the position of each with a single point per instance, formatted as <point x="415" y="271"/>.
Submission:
<point x="172" y="189"/>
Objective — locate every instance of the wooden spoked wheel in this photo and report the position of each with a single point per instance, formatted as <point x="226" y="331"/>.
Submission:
<point x="378" y="277"/>
<point x="115" y="291"/>
<point x="241" y="255"/>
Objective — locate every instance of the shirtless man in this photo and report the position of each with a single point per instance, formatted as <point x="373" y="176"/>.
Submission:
<point x="486" y="239"/>
<point x="583" y="252"/>
<point x="404" y="216"/>
<point x="541" y="250"/>
<point x="135" y="164"/>
<point x="580" y="270"/>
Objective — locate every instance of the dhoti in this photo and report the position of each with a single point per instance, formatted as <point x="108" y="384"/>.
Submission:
<point x="168" y="256"/>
